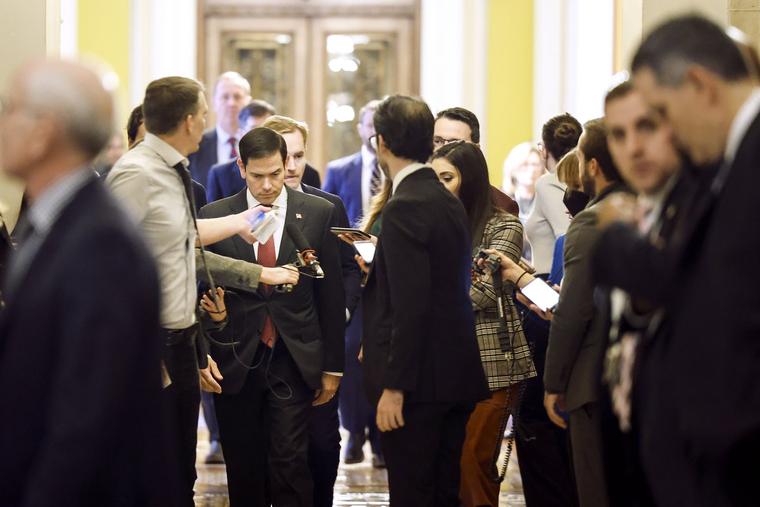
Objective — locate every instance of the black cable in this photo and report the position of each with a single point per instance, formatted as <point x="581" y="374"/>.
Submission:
<point x="501" y="472"/>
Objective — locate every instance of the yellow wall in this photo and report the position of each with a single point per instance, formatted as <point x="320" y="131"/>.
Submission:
<point x="510" y="80"/>
<point x="103" y="28"/>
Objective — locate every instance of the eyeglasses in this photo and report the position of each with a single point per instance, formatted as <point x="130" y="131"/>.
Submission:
<point x="439" y="141"/>
<point x="373" y="141"/>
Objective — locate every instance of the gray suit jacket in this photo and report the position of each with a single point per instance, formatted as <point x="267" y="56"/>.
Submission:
<point x="228" y="272"/>
<point x="579" y="332"/>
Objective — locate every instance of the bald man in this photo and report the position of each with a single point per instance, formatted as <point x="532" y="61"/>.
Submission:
<point x="79" y="335"/>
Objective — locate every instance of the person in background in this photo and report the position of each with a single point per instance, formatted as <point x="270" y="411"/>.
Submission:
<point x="231" y="93"/>
<point x="522" y="168"/>
<point x="81" y="321"/>
<point x="358" y="180"/>
<point x="575" y="200"/>
<point x="578" y="334"/>
<point x="422" y="366"/>
<point x="108" y="157"/>
<point x="549" y="218"/>
<point x="135" y="127"/>
<point x="224" y="179"/>
<point x="545" y="463"/>
<point x="324" y="435"/>
<point x="459" y="124"/>
<point x="153" y="184"/>
<point x="504" y="352"/>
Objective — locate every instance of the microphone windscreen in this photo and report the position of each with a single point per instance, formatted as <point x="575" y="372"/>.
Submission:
<point x="302" y="244"/>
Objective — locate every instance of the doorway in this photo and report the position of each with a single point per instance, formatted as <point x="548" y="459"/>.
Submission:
<point x="314" y="60"/>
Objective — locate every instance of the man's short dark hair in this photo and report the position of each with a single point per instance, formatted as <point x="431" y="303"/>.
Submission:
<point x="262" y="142"/>
<point x="618" y="92"/>
<point x="256" y="109"/>
<point x="465" y="116"/>
<point x="133" y="124"/>
<point x="406" y="124"/>
<point x="168" y="101"/>
<point x="560" y="135"/>
<point x="672" y="47"/>
<point x="594" y="145"/>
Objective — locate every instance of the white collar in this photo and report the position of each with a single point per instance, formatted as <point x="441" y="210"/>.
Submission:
<point x="224" y="137"/>
<point x="165" y="150"/>
<point x="739" y="127"/>
<point x="406" y="171"/>
<point x="280" y="203"/>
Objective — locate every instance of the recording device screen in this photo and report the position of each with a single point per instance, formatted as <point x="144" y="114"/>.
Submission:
<point x="541" y="294"/>
<point x="366" y="249"/>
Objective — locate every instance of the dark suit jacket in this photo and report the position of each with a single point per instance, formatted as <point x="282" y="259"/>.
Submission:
<point x="224" y="180"/>
<point x="311" y="177"/>
<point x="81" y="343"/>
<point x="352" y="275"/>
<point x="579" y="333"/>
<point x="705" y="356"/>
<point x="308" y="320"/>
<point x="344" y="179"/>
<point x="206" y="156"/>
<point x="419" y="326"/>
<point x="645" y="269"/>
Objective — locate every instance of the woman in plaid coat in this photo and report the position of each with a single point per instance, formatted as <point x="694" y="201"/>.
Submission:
<point x="504" y="350"/>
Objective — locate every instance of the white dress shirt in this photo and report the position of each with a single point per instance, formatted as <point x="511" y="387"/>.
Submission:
<point x="145" y="181"/>
<point x="279" y="206"/>
<point x="280" y="209"/>
<point x="223" y="145"/>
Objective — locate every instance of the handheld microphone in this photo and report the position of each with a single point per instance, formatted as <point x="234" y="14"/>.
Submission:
<point x="306" y="254"/>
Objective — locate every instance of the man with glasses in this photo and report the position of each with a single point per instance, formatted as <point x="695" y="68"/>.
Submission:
<point x="459" y="124"/>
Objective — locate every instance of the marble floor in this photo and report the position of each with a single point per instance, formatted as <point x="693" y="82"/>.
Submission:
<point x="358" y="485"/>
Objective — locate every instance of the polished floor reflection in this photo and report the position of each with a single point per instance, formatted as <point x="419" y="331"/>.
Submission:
<point x="358" y="485"/>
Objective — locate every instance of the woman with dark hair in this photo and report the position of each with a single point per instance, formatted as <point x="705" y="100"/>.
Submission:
<point x="135" y="126"/>
<point x="504" y="351"/>
<point x="549" y="218"/>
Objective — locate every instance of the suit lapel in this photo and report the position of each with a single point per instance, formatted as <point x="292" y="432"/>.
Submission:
<point x="294" y="211"/>
<point x="245" y="251"/>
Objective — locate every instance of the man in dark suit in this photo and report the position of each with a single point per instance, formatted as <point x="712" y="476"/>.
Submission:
<point x="421" y="360"/>
<point x="224" y="179"/>
<point x="231" y="92"/>
<point x="279" y="347"/>
<point x="356" y="179"/>
<point x="579" y="332"/>
<point x="324" y="435"/>
<point x="81" y="325"/>
<point x="703" y="359"/>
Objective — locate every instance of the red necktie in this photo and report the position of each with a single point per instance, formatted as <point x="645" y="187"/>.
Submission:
<point x="233" y="147"/>
<point x="268" y="259"/>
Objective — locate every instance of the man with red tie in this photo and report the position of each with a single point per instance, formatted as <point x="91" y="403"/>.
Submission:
<point x="277" y="346"/>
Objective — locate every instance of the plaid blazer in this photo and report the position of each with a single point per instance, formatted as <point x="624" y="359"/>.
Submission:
<point x="504" y="351"/>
